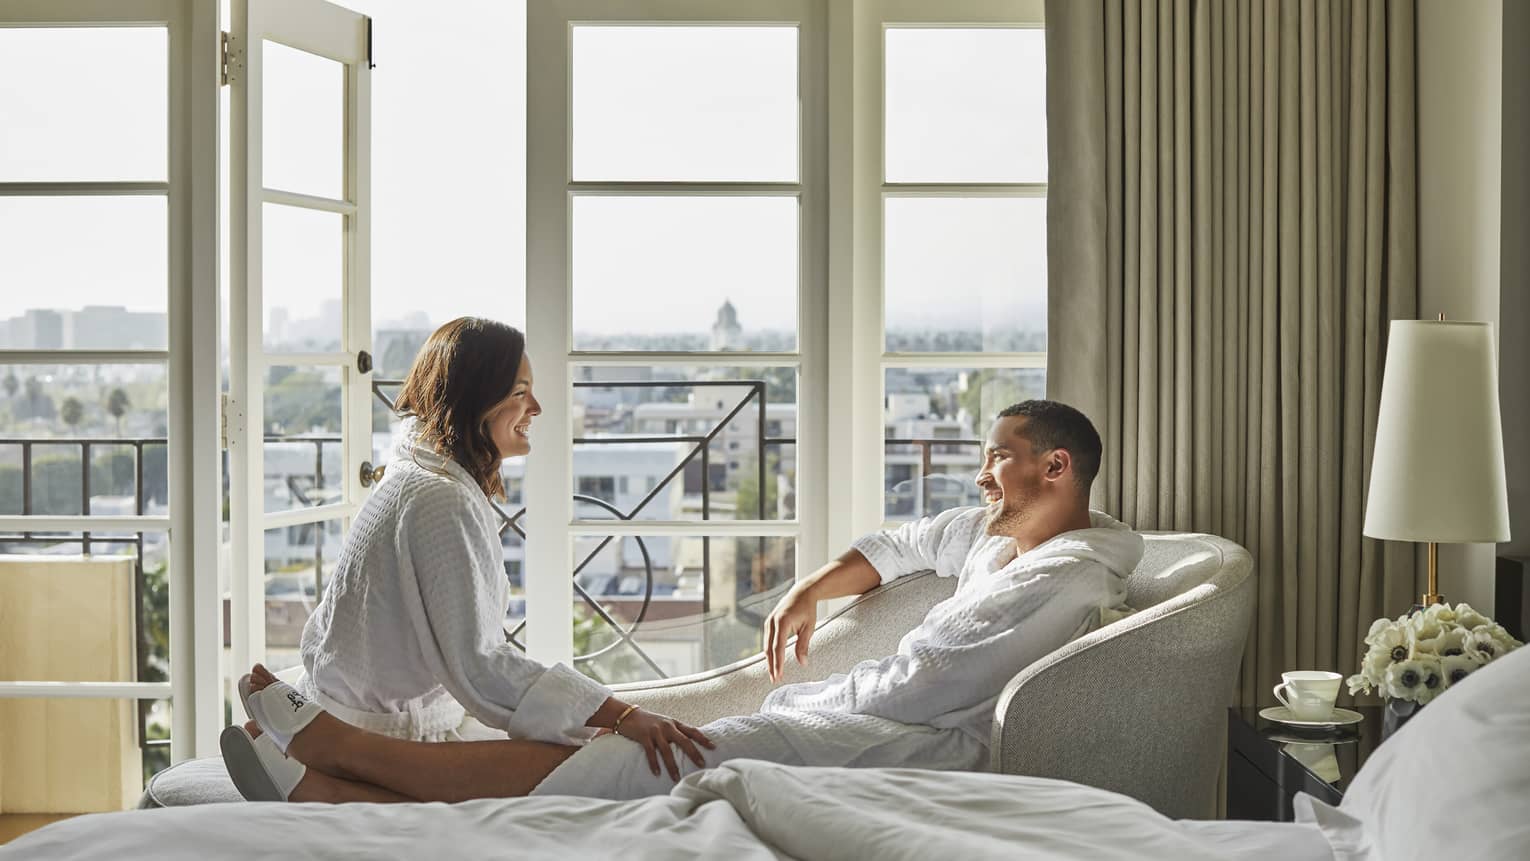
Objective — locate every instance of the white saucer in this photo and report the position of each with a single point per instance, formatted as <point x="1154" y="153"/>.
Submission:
<point x="1340" y="717"/>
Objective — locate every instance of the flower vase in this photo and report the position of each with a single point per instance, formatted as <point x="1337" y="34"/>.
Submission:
<point x="1395" y="714"/>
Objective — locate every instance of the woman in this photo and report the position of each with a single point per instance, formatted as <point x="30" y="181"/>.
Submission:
<point x="408" y="639"/>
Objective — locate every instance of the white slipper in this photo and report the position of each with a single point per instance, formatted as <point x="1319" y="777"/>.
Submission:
<point x="280" y="710"/>
<point x="258" y="769"/>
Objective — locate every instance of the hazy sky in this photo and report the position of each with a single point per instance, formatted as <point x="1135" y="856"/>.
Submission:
<point x="448" y="177"/>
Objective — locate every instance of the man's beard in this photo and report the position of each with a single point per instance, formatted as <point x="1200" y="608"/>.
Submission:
<point x="1003" y="520"/>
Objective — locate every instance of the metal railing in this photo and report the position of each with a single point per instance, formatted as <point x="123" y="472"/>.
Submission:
<point x="143" y="646"/>
<point x="304" y="488"/>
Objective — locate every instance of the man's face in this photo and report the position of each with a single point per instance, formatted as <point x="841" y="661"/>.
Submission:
<point x="1013" y="477"/>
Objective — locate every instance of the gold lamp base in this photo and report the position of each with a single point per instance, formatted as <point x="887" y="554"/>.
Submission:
<point x="1432" y="596"/>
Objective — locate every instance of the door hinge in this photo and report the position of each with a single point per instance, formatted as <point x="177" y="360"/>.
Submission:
<point x="231" y="60"/>
<point x="223" y="420"/>
<point x="232" y="423"/>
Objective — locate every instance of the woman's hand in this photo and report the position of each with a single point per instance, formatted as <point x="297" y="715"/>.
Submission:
<point x="797" y="613"/>
<point x="657" y="733"/>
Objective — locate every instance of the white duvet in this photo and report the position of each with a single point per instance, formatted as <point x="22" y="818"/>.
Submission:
<point x="744" y="809"/>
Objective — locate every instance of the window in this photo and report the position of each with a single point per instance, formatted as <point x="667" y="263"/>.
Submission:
<point x="108" y="362"/>
<point x="673" y="156"/>
<point x="962" y="200"/>
<point x="672" y="182"/>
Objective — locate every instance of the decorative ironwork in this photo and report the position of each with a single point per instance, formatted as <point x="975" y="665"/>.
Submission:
<point x="305" y="489"/>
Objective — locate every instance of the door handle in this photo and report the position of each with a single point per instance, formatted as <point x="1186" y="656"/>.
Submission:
<point x="370" y="474"/>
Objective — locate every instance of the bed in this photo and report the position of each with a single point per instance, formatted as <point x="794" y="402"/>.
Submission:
<point x="1454" y="782"/>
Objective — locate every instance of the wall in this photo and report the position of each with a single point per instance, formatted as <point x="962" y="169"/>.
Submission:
<point x="1514" y="306"/>
<point x="1460" y="155"/>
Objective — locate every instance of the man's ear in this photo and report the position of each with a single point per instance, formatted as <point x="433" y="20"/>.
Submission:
<point x="1059" y="464"/>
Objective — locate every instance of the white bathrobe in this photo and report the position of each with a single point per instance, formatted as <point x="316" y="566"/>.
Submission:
<point x="931" y="704"/>
<point x="409" y="634"/>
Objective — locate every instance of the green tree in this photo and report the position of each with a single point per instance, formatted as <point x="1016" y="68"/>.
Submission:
<point x="747" y="496"/>
<point x="987" y="392"/>
<point x="302" y="401"/>
<point x="36" y="405"/>
<point x="11" y="384"/>
<point x="117" y="403"/>
<point x="71" y="411"/>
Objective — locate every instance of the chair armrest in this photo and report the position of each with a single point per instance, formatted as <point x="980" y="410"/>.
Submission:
<point x="1142" y="700"/>
<point x="868" y="628"/>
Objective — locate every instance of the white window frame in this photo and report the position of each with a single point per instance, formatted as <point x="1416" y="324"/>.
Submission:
<point x="549" y="298"/>
<point x="191" y="361"/>
<point x="866" y="355"/>
<point x="339" y="34"/>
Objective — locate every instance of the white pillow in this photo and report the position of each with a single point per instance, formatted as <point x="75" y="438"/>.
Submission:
<point x="1454" y="782"/>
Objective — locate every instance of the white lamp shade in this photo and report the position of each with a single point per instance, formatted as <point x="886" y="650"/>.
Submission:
<point x="1437" y="474"/>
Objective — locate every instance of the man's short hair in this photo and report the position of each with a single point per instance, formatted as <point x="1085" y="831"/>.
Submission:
<point x="1051" y="425"/>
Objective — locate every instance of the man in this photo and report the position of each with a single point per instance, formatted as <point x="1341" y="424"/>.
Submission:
<point x="1035" y="569"/>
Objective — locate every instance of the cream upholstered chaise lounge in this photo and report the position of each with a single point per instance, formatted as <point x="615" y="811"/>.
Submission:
<point x="1136" y="706"/>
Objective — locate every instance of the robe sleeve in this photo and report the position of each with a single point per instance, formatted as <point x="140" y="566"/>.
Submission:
<point x="450" y="562"/>
<point x="938" y="544"/>
<point x="966" y="652"/>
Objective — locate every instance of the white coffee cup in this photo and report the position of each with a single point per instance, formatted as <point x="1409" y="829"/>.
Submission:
<point x="1309" y="694"/>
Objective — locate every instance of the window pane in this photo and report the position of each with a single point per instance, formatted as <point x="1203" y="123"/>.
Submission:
<point x="303" y="278"/>
<point x="966" y="105"/>
<point x="935" y="421"/>
<point x="966" y="274"/>
<point x="299" y="561"/>
<point x="83" y="273"/>
<point x="690" y="603"/>
<point x="83" y="104"/>
<point x="732" y="259"/>
<point x="636" y="430"/>
<point x="303" y="122"/>
<point x="685" y="103"/>
<point x="304" y="455"/>
<point x="83" y="402"/>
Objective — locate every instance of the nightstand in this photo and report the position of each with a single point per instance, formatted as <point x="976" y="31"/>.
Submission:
<point x="1268" y="763"/>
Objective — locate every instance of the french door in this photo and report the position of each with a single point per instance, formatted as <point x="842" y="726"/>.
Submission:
<point x="299" y="404"/>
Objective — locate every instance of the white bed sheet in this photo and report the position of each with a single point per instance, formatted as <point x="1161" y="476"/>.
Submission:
<point x="742" y="810"/>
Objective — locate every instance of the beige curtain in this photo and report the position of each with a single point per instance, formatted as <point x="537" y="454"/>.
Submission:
<point x="1232" y="222"/>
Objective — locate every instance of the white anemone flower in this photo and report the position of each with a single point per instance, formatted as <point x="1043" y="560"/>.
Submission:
<point x="1451" y="642"/>
<point x="1458" y="667"/>
<point x="1490" y="641"/>
<point x="1468" y="618"/>
<point x="1391" y="638"/>
<point x="1404" y="680"/>
<point x="1433" y="683"/>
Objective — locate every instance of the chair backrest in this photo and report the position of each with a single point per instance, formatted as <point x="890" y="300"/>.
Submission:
<point x="1139" y="706"/>
<point x="1172" y="564"/>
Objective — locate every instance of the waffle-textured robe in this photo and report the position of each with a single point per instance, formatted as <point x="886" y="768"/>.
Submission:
<point x="409" y="633"/>
<point x="931" y="704"/>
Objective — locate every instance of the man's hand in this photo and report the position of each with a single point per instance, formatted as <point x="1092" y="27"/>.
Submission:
<point x="797" y="613"/>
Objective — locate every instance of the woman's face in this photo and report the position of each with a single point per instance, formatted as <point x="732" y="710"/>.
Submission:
<point x="509" y="421"/>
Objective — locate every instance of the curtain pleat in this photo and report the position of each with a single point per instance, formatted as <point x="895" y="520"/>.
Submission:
<point x="1221" y="307"/>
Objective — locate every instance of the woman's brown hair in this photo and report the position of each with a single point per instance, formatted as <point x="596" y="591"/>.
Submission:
<point x="464" y="370"/>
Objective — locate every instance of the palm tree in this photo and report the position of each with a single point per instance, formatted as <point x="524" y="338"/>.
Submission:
<point x="35" y="398"/>
<point x="71" y="411"/>
<point x="117" y="404"/>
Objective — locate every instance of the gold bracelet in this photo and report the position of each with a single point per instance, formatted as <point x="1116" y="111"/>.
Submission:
<point x="616" y="728"/>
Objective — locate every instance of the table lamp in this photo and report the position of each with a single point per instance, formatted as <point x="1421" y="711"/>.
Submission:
<point x="1437" y="473"/>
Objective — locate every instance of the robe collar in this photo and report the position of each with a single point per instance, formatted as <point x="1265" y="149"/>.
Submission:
<point x="408" y="446"/>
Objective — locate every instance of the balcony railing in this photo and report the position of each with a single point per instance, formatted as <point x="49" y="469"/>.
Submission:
<point x="303" y="488"/>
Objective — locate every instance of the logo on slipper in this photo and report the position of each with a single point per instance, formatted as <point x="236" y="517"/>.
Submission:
<point x="297" y="700"/>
